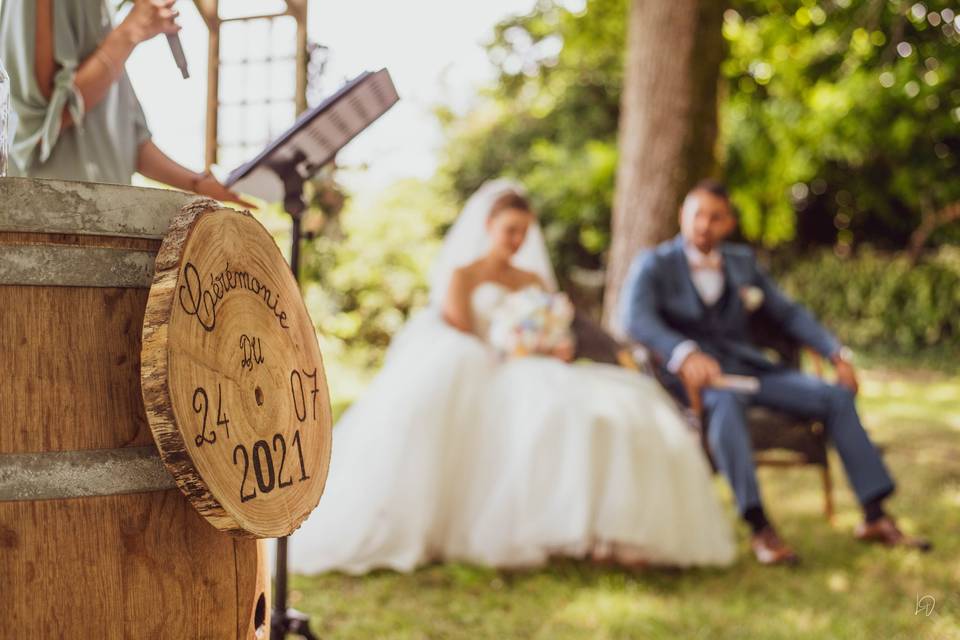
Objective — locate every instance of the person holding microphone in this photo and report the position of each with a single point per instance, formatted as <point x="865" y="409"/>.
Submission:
<point x="79" y="118"/>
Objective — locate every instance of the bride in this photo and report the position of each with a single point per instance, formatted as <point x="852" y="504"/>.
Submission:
<point x="456" y="454"/>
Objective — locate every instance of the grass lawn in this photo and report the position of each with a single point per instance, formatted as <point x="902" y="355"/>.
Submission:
<point x="843" y="589"/>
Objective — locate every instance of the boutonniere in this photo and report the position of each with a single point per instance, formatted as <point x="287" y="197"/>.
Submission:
<point x="752" y="298"/>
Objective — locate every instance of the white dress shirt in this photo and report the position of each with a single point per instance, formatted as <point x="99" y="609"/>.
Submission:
<point x="706" y="272"/>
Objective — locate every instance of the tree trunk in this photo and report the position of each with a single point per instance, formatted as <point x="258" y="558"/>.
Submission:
<point x="668" y="124"/>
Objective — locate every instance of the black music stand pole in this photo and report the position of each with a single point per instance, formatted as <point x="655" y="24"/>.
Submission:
<point x="284" y="620"/>
<point x="294" y="173"/>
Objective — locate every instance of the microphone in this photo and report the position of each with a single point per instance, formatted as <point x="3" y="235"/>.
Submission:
<point x="177" y="50"/>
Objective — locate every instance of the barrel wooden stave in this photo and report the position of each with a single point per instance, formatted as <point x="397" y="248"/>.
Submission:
<point x="74" y="360"/>
<point x="138" y="566"/>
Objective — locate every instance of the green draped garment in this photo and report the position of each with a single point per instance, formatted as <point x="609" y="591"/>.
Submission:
<point x="103" y="144"/>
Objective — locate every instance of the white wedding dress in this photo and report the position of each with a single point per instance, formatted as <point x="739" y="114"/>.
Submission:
<point x="453" y="453"/>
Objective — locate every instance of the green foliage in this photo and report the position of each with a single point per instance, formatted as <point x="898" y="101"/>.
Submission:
<point x="841" y="117"/>
<point x="883" y="304"/>
<point x="840" y="120"/>
<point x="369" y="273"/>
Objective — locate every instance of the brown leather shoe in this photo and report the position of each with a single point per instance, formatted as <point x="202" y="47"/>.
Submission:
<point x="770" y="549"/>
<point x="885" y="531"/>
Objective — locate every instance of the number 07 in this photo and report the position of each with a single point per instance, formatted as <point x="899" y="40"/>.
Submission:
<point x="300" y="396"/>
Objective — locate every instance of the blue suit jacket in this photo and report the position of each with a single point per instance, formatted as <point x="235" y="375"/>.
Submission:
<point x="660" y="307"/>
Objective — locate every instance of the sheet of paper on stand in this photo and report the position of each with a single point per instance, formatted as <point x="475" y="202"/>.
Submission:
<point x="317" y="135"/>
<point x="743" y="384"/>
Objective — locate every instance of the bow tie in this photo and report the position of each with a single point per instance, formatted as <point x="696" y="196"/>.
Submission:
<point x="713" y="262"/>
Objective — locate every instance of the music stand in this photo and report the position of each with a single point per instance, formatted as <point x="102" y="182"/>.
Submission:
<point x="278" y="173"/>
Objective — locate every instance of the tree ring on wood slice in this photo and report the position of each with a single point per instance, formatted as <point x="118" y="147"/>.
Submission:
<point x="232" y="377"/>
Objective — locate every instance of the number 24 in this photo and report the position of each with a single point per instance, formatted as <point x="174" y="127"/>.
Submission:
<point x="201" y="403"/>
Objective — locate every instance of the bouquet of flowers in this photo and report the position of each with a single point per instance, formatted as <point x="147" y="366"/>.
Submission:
<point x="531" y="321"/>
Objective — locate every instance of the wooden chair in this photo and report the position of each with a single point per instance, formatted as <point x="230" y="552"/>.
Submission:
<point x="779" y="439"/>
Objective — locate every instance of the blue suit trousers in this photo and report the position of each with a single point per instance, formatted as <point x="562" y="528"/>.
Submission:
<point x="804" y="396"/>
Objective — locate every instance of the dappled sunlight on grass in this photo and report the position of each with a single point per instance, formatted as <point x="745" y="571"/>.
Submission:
<point x="601" y="611"/>
<point x="842" y="589"/>
<point x="911" y="400"/>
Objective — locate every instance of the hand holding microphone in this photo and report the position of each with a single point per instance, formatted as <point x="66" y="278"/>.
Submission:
<point x="176" y="50"/>
<point x="149" y="18"/>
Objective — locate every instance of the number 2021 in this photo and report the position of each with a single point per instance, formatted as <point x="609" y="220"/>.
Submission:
<point x="266" y="475"/>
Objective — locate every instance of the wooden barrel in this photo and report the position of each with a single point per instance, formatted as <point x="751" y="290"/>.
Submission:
<point x="95" y="539"/>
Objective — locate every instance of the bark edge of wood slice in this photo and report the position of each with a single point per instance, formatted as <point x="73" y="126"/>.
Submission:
<point x="232" y="377"/>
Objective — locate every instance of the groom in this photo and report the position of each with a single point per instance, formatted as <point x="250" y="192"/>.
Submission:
<point x="689" y="300"/>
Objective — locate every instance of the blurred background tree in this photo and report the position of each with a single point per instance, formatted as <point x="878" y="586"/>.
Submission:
<point x="838" y="120"/>
<point x="668" y="126"/>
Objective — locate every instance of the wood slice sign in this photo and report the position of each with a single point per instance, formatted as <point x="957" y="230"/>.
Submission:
<point x="232" y="376"/>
